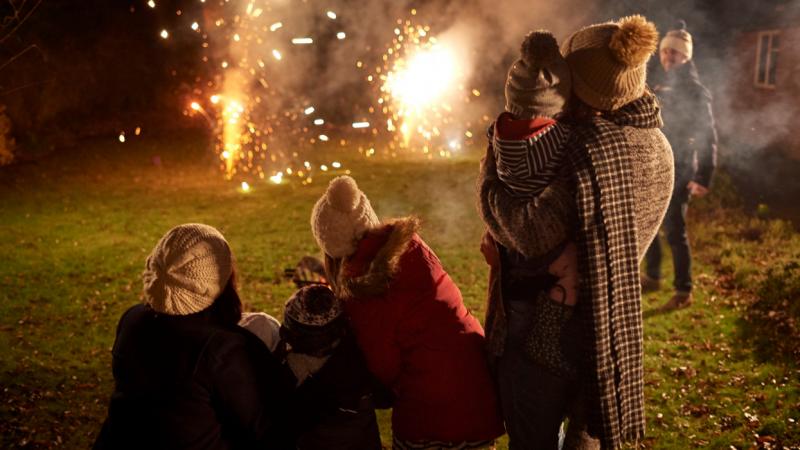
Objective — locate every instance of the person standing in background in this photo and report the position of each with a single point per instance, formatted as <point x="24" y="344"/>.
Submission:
<point x="689" y="127"/>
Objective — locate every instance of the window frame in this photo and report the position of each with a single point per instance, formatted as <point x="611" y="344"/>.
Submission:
<point x="768" y="62"/>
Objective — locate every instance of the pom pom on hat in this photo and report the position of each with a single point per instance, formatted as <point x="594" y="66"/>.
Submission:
<point x="341" y="217"/>
<point x="539" y="48"/>
<point x="634" y="41"/>
<point x="187" y="270"/>
<point x="343" y="194"/>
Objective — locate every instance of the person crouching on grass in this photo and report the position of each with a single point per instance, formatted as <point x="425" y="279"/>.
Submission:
<point x="410" y="322"/>
<point x="315" y="337"/>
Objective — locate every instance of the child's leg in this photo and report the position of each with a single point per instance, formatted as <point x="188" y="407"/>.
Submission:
<point x="565" y="267"/>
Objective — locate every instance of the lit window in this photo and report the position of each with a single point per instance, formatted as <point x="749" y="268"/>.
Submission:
<point x="766" y="58"/>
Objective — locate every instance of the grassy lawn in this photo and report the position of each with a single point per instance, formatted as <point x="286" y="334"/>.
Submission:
<point x="77" y="226"/>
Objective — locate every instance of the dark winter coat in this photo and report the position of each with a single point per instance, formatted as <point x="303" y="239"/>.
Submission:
<point x="688" y="123"/>
<point x="418" y="338"/>
<point x="184" y="382"/>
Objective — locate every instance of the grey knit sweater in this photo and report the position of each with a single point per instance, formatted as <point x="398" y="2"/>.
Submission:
<point x="536" y="227"/>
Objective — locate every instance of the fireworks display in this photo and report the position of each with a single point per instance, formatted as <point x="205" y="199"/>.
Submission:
<point x="259" y="89"/>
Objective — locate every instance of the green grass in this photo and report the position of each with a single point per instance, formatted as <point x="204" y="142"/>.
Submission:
<point x="78" y="225"/>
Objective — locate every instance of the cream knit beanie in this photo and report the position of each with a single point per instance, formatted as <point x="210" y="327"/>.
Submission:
<point x="538" y="83"/>
<point x="679" y="40"/>
<point x="609" y="61"/>
<point x="187" y="270"/>
<point x="341" y="217"/>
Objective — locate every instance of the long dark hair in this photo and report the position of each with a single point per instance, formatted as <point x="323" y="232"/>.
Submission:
<point x="227" y="308"/>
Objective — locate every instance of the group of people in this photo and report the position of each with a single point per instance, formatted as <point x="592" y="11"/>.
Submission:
<point x="576" y="180"/>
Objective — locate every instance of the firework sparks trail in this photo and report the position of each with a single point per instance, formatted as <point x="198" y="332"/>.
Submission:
<point x="263" y="123"/>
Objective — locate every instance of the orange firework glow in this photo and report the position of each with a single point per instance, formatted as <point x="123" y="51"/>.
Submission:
<point x="264" y="125"/>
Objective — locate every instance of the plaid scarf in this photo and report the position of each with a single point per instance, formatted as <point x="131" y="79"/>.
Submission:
<point x="610" y="294"/>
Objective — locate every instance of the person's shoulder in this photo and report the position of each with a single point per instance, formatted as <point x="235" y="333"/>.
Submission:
<point x="135" y="315"/>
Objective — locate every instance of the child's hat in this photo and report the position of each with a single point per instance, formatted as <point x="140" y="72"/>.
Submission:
<point x="341" y="217"/>
<point x="538" y="83"/>
<point x="313" y="320"/>
<point x="609" y="61"/>
<point x="678" y="39"/>
<point x="187" y="270"/>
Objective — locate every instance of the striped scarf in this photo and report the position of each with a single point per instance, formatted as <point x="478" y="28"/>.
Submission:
<point x="610" y="293"/>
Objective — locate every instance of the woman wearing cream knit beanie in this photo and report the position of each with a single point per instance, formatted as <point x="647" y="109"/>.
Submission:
<point x="186" y="375"/>
<point x="609" y="61"/>
<point x="409" y="321"/>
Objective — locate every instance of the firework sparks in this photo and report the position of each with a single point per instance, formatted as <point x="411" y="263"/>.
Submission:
<point x="251" y="102"/>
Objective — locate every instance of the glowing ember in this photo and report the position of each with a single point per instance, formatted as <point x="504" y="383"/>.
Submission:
<point x="164" y="34"/>
<point x="341" y="35"/>
<point x="309" y="110"/>
<point x="122" y="137"/>
<point x="302" y="41"/>
<point x="277" y="178"/>
<point x="319" y="121"/>
<point x="331" y="15"/>
<point x="245" y="186"/>
<point x="360" y="124"/>
<point x="151" y="4"/>
<point x="276" y="54"/>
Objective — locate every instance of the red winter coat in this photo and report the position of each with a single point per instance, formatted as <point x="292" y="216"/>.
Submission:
<point x="418" y="338"/>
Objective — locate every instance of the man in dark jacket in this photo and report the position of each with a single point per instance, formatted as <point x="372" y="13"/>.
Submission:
<point x="689" y="127"/>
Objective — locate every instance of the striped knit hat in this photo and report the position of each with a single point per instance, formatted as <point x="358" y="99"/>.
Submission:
<point x="187" y="270"/>
<point x="313" y="320"/>
<point x="609" y="61"/>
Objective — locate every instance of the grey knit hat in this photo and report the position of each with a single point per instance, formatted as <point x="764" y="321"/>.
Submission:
<point x="187" y="270"/>
<point x="538" y="83"/>
<point x="341" y="217"/>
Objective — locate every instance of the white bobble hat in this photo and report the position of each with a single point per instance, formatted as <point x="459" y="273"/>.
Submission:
<point x="187" y="270"/>
<point x="341" y="217"/>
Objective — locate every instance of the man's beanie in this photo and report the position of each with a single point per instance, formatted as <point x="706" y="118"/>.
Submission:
<point x="341" y="217"/>
<point x="609" y="61"/>
<point x="313" y="320"/>
<point x="538" y="83"/>
<point x="187" y="270"/>
<point x="679" y="40"/>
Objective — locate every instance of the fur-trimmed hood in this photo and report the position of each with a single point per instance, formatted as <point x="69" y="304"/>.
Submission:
<point x="369" y="271"/>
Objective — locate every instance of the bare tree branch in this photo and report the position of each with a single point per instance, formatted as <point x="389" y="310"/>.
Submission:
<point x="25" y="50"/>
<point x="20" y="22"/>
<point x="25" y="86"/>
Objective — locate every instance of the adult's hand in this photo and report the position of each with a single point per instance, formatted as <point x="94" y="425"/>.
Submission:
<point x="489" y="250"/>
<point x="696" y="189"/>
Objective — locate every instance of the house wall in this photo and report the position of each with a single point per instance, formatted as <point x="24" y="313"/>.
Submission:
<point x="766" y="117"/>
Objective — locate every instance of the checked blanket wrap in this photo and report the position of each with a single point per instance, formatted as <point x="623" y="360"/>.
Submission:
<point x="609" y="293"/>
